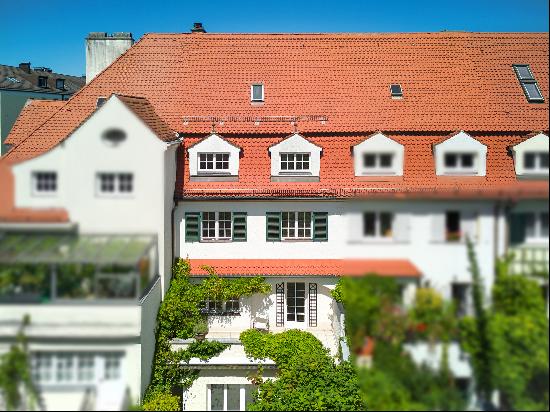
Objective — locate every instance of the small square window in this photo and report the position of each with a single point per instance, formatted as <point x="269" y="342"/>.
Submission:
<point x="42" y="81"/>
<point x="543" y="160"/>
<point x="60" y="84"/>
<point x="257" y="93"/>
<point x="467" y="160"/>
<point x="45" y="182"/>
<point x="396" y="90"/>
<point x="450" y="160"/>
<point x="369" y="160"/>
<point x="386" y="160"/>
<point x="529" y="160"/>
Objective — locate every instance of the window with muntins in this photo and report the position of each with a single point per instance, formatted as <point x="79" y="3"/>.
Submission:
<point x="460" y="162"/>
<point x="42" y="81"/>
<point x="115" y="183"/>
<point x="535" y="162"/>
<point x="296" y="225"/>
<point x="216" y="226"/>
<point x="378" y="225"/>
<point x="45" y="182"/>
<point x="295" y="302"/>
<point x="231" y="397"/>
<point x="377" y="162"/>
<point x="213" y="162"/>
<point x="295" y="162"/>
<point x="536" y="226"/>
<point x="218" y="307"/>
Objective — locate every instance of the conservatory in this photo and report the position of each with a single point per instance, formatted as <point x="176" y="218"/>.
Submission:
<point x="41" y="268"/>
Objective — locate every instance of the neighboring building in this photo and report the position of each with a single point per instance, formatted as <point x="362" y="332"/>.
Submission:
<point x="19" y="84"/>
<point x="302" y="158"/>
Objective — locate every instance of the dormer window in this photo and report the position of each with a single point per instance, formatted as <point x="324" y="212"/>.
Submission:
<point x="60" y="84"/>
<point x="214" y="159"/>
<point x="460" y="154"/>
<point x="257" y="92"/>
<point x="42" y="81"/>
<point x="531" y="157"/>
<point x="295" y="159"/>
<point x="378" y="156"/>
<point x="294" y="162"/>
<point x="213" y="162"/>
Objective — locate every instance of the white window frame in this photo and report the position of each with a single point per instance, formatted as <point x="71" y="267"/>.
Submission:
<point x="538" y="237"/>
<point x="252" y="92"/>
<point x="214" y="169"/>
<point x="538" y="169"/>
<point x="378" y="226"/>
<point x="296" y="322"/>
<point x="459" y="169"/>
<point x="294" y="162"/>
<point x="296" y="226"/>
<point x="242" y="396"/>
<point x="216" y="237"/>
<point x="117" y="184"/>
<point x="35" y="178"/>
<point x="378" y="168"/>
<point x="98" y="369"/>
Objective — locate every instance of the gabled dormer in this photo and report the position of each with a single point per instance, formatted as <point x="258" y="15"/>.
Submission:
<point x="531" y="157"/>
<point x="378" y="155"/>
<point x="460" y="155"/>
<point x="295" y="159"/>
<point x="214" y="159"/>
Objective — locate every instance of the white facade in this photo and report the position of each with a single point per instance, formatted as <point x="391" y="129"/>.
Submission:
<point x="461" y="144"/>
<point x="377" y="145"/>
<point x="535" y="146"/>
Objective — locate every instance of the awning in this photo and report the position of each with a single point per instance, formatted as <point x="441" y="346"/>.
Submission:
<point x="39" y="248"/>
<point x="306" y="267"/>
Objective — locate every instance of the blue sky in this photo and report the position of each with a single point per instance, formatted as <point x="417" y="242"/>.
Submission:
<point x="51" y="33"/>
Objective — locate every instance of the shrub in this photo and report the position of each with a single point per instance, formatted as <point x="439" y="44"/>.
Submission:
<point x="160" y="401"/>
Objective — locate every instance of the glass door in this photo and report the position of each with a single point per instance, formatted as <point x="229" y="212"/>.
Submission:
<point x="295" y="304"/>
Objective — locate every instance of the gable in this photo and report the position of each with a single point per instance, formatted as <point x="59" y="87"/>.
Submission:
<point x="461" y="144"/>
<point x="376" y="145"/>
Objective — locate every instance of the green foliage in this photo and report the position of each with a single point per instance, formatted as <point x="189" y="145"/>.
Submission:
<point x="308" y="378"/>
<point x="179" y="317"/>
<point x="432" y="317"/>
<point x="517" y="331"/>
<point x="16" y="387"/>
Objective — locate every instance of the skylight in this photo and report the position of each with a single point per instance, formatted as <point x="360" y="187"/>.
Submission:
<point x="257" y="92"/>
<point x="396" y="91"/>
<point x="528" y="83"/>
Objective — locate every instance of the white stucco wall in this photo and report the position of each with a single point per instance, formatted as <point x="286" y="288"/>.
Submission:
<point x="77" y="160"/>
<point x="379" y="143"/>
<point x="537" y="144"/>
<point x="461" y="143"/>
<point x="440" y="262"/>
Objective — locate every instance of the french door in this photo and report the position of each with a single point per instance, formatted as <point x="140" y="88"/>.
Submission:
<point x="295" y="304"/>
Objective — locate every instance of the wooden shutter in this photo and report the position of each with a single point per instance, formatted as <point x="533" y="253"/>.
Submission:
<point x="312" y="305"/>
<point x="273" y="226"/>
<point x="469" y="225"/>
<point x="401" y="227"/>
<point x="438" y="227"/>
<point x="518" y="226"/>
<point x="280" y="304"/>
<point x="192" y="226"/>
<point x="239" y="226"/>
<point x="320" y="226"/>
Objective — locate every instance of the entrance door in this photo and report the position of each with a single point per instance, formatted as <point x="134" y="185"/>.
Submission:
<point x="295" y="304"/>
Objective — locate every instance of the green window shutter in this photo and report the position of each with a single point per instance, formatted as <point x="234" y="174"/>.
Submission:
<point x="192" y="226"/>
<point x="518" y="224"/>
<point x="239" y="226"/>
<point x="273" y="226"/>
<point x="320" y="226"/>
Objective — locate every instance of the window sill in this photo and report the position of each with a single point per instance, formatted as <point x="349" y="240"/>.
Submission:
<point x="216" y="240"/>
<point x="213" y="177"/>
<point x="294" y="178"/>
<point x="380" y="241"/>
<point x="44" y="194"/>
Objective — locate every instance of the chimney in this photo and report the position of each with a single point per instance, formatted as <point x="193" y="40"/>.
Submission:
<point x="26" y="67"/>
<point x="102" y="49"/>
<point x="197" y="28"/>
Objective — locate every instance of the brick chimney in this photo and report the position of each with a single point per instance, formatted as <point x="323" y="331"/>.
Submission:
<point x="197" y="28"/>
<point x="102" y="49"/>
<point x="26" y="67"/>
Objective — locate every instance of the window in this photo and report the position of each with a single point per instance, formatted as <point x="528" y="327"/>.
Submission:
<point x="86" y="367"/>
<point x="229" y="397"/>
<point x="396" y="91"/>
<point x="535" y="162"/>
<point x="452" y="227"/>
<point x="213" y="162"/>
<point x="42" y="367"/>
<point x="60" y="84"/>
<point x="45" y="182"/>
<point x="460" y="162"/>
<point x="296" y="225"/>
<point x="374" y="162"/>
<point x="64" y="365"/>
<point x="216" y="226"/>
<point x="378" y="225"/>
<point x="112" y="366"/>
<point x="295" y="302"/>
<point x="42" y="81"/>
<point x="536" y="226"/>
<point x="218" y="307"/>
<point x="528" y="83"/>
<point x="460" y="294"/>
<point x="116" y="183"/>
<point x="114" y="136"/>
<point x="292" y="162"/>
<point x="257" y="92"/>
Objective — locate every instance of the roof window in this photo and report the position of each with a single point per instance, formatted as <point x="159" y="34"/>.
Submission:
<point x="396" y="91"/>
<point x="528" y="83"/>
<point x="42" y="81"/>
<point x="60" y="84"/>
<point x="257" y="92"/>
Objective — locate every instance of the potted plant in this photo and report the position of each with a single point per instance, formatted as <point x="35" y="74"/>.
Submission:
<point x="200" y="329"/>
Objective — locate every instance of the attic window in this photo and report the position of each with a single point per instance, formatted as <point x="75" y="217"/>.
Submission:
<point x="114" y="136"/>
<point x="42" y="81"/>
<point x="396" y="91"/>
<point x="257" y="92"/>
<point x="528" y="83"/>
<point x="60" y="84"/>
<point x="100" y="101"/>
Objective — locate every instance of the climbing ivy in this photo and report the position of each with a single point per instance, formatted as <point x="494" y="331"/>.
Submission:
<point x="178" y="316"/>
<point x="308" y="377"/>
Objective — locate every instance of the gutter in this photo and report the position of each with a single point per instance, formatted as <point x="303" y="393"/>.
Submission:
<point x="39" y="226"/>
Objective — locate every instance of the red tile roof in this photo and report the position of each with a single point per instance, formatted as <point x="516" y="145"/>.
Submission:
<point x="301" y="267"/>
<point x="450" y="81"/>
<point x="338" y="180"/>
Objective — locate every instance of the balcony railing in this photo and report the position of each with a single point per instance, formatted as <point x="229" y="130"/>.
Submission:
<point x="530" y="260"/>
